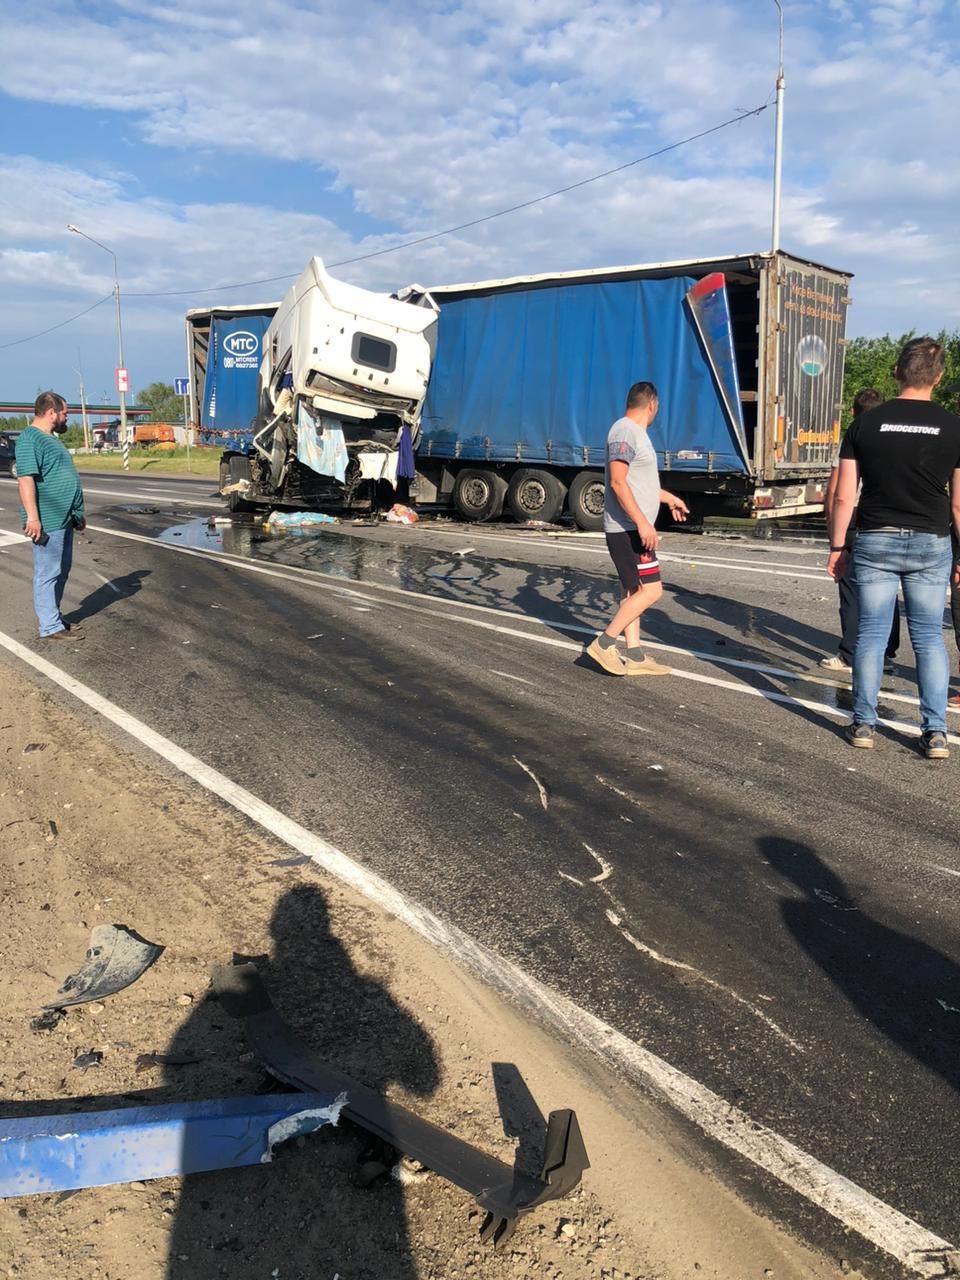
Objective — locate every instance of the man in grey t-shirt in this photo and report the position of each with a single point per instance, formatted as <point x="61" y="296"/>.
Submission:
<point x="631" y="504"/>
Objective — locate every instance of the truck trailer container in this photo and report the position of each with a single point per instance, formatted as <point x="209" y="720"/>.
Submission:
<point x="747" y="353"/>
<point x="528" y="374"/>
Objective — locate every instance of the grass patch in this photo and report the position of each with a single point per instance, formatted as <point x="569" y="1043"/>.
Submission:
<point x="158" y="462"/>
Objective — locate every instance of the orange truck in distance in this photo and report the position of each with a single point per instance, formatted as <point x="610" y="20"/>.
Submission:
<point x="151" y="433"/>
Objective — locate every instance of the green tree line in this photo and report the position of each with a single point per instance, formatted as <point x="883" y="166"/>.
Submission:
<point x="869" y="363"/>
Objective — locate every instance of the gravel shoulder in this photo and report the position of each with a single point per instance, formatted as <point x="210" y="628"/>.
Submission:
<point x="92" y="833"/>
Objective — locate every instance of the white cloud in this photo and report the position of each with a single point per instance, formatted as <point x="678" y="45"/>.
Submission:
<point x="424" y="115"/>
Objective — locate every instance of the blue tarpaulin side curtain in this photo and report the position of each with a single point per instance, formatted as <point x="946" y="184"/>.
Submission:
<point x="548" y="370"/>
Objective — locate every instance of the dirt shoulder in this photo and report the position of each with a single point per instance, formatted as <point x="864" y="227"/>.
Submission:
<point x="94" y="833"/>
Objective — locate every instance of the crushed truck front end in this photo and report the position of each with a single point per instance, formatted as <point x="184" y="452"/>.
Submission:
<point x="340" y="390"/>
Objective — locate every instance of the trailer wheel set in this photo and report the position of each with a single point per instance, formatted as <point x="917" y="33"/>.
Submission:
<point x="529" y="493"/>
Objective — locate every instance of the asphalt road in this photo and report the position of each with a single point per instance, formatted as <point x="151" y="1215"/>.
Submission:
<point x="716" y="874"/>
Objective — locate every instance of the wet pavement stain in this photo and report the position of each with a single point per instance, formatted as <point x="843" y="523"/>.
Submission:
<point x="574" y="601"/>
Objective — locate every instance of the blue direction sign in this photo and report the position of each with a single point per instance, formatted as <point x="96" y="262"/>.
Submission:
<point x="181" y="386"/>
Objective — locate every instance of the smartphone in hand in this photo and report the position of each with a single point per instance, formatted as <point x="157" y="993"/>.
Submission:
<point x="43" y="539"/>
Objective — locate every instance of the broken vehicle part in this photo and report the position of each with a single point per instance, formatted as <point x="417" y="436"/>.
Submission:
<point x="47" y="1021"/>
<point x="116" y="958"/>
<point x="41" y="1154"/>
<point x="505" y="1193"/>
<point x="92" y="1058"/>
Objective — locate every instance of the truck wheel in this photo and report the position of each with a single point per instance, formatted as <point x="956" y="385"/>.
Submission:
<point x="585" y="501"/>
<point x="238" y="468"/>
<point x="478" y="493"/>
<point x="535" y="495"/>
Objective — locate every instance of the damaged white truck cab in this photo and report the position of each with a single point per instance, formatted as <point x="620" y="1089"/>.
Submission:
<point x="341" y="386"/>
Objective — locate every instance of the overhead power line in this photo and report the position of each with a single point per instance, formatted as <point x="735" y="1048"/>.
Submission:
<point x="410" y="244"/>
<point x="474" y="222"/>
<point x="43" y="332"/>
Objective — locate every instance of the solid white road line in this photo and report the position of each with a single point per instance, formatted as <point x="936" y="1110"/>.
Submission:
<point x="883" y="1226"/>
<point x="329" y="582"/>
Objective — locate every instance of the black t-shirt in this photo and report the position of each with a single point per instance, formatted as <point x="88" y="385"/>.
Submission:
<point x="907" y="450"/>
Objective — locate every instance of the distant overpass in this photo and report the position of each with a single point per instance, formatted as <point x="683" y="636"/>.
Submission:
<point x="106" y="410"/>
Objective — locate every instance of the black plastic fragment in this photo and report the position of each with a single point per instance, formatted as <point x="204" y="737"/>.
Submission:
<point x="116" y="958"/>
<point x="505" y="1193"/>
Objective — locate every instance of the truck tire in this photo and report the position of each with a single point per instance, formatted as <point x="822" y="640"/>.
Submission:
<point x="478" y="493"/>
<point x="585" y="500"/>
<point x="239" y="469"/>
<point x="535" y="495"/>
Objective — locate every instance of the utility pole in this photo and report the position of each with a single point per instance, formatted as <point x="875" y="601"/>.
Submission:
<point x="778" y="145"/>
<point x="83" y="405"/>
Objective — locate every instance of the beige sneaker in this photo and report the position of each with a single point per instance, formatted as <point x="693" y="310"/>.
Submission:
<point x="645" y="668"/>
<point x="609" y="659"/>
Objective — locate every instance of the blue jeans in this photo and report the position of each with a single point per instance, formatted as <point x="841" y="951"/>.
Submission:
<point x="51" y="567"/>
<point x="920" y="563"/>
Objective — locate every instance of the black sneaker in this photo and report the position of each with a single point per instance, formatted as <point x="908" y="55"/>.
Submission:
<point x="860" y="735"/>
<point x="934" y="746"/>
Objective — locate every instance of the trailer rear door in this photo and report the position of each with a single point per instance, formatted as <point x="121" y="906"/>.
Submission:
<point x="804" y="312"/>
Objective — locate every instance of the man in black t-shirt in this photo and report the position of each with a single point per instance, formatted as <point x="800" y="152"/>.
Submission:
<point x="906" y="455"/>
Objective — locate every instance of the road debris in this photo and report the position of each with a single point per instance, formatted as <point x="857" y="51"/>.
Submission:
<point x="115" y="958"/>
<point x="505" y="1193"/>
<point x="84" y="1061"/>
<point x="544" y="799"/>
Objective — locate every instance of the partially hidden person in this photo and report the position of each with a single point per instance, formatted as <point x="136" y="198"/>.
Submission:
<point x="51" y="508"/>
<point x="631" y="504"/>
<point x="905" y="457"/>
<point x="842" y="660"/>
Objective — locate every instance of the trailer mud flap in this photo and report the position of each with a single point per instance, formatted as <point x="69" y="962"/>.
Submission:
<point x="506" y="1194"/>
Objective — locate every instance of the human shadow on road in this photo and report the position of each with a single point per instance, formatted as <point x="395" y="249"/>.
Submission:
<point x="305" y="1214"/>
<point x="112" y="591"/>
<point x="904" y="987"/>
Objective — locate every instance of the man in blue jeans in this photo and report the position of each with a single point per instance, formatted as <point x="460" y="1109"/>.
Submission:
<point x="51" y="507"/>
<point x="906" y="456"/>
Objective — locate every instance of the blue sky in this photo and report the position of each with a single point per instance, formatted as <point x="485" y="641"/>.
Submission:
<point x="229" y="141"/>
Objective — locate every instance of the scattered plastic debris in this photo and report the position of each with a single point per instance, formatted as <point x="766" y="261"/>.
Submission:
<point x="299" y="860"/>
<point x="297" y="519"/>
<point x="84" y="1061"/>
<point x="47" y="1021"/>
<point x="399" y="514"/>
<point x="115" y="958"/>
<point x="147" y="1060"/>
<point x="300" y="1124"/>
<point x="35" y="746"/>
<point x="947" y="1008"/>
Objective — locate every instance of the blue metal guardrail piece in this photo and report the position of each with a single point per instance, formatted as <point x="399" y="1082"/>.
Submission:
<point x="131" y="1144"/>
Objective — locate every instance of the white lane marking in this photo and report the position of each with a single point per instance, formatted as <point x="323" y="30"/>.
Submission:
<point x="106" y="582"/>
<point x="507" y="676"/>
<point x="294" y="574"/>
<point x="883" y="1226"/>
<point x="145" y="497"/>
<point x="572" y="540"/>
<point x="13" y="540"/>
<point x="745" y="568"/>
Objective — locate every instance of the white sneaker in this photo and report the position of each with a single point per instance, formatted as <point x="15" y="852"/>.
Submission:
<point x="834" y="663"/>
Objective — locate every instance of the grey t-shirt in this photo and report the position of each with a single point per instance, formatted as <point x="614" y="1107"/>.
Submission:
<point x="628" y="442"/>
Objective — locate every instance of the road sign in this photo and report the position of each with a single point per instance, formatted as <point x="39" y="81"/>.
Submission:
<point x="123" y="380"/>
<point x="181" y="386"/>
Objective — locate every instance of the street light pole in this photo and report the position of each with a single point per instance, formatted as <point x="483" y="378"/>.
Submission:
<point x="124" y="442"/>
<point x="778" y="145"/>
<point x="83" y="404"/>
